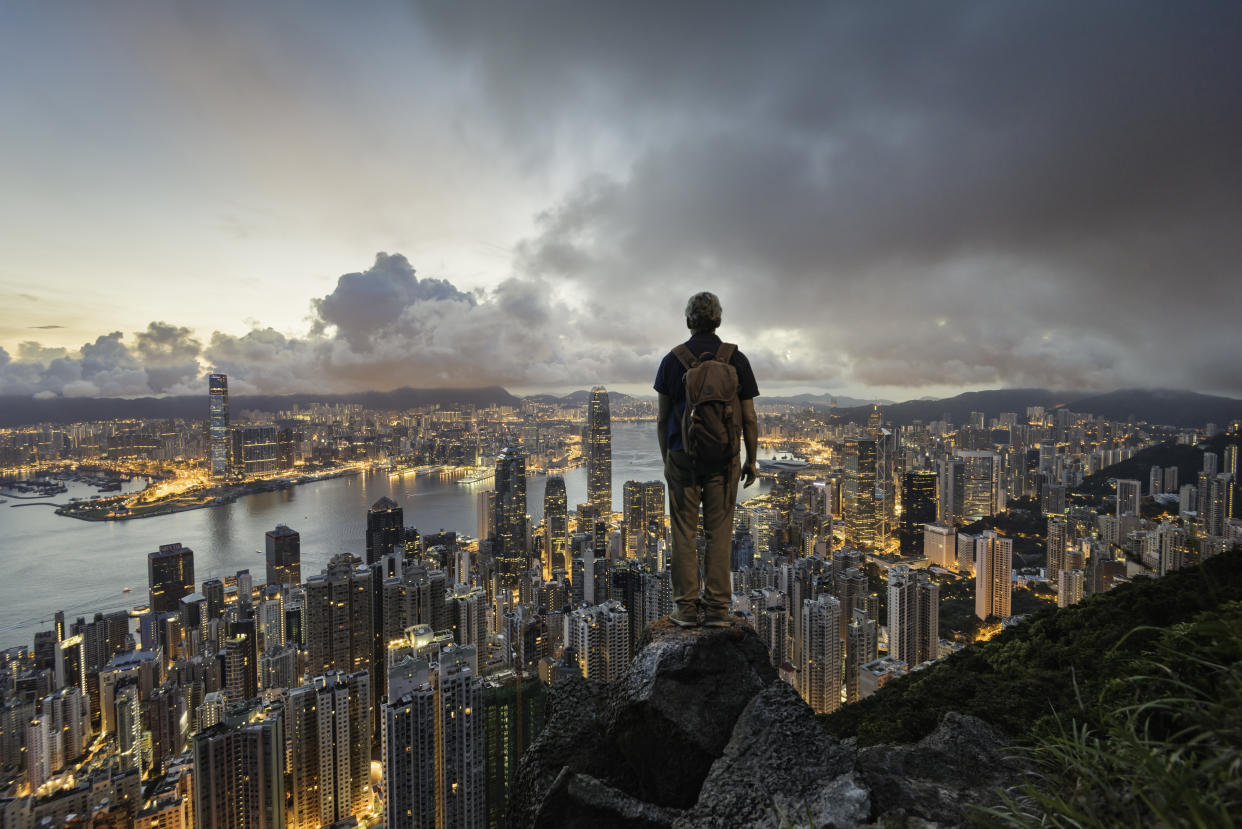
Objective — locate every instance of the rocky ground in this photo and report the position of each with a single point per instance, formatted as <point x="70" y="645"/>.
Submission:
<point x="699" y="733"/>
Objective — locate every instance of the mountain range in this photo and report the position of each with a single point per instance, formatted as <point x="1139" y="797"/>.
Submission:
<point x="1162" y="406"/>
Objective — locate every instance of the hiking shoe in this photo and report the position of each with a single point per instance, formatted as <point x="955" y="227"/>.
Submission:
<point x="717" y="618"/>
<point x="685" y="618"/>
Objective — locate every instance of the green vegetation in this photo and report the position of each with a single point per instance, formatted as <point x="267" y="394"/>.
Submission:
<point x="1027" y="676"/>
<point x="1027" y="528"/>
<point x="1168" y="747"/>
<point x="1187" y="459"/>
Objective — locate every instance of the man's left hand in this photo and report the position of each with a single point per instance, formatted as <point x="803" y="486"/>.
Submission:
<point x="748" y="474"/>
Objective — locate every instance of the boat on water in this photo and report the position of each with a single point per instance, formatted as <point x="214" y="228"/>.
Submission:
<point x="786" y="463"/>
<point x="127" y="590"/>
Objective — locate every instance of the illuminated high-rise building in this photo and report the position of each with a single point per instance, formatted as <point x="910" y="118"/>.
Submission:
<point x="170" y="576"/>
<point x="555" y="527"/>
<point x="600" y="636"/>
<point x="385" y="529"/>
<point x="1058" y="544"/>
<point x="918" y="507"/>
<point x="940" y="545"/>
<point x="340" y="625"/>
<point x="1127" y="497"/>
<point x="328" y="722"/>
<point x="511" y="516"/>
<point x="860" y="499"/>
<point x="983" y="493"/>
<point x="218" y="436"/>
<point x="993" y="575"/>
<point x="820" y="665"/>
<point x="599" y="452"/>
<point x="434" y="743"/>
<point x="239" y="774"/>
<point x="284" y="556"/>
<point x="513" y="718"/>
<point x="913" y="616"/>
<point x="643" y="517"/>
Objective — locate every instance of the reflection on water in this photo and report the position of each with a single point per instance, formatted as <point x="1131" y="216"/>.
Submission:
<point x="51" y="562"/>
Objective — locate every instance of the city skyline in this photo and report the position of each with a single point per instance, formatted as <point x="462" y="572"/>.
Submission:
<point x="891" y="202"/>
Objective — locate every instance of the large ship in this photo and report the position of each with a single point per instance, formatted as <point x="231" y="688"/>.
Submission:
<point x="785" y="463"/>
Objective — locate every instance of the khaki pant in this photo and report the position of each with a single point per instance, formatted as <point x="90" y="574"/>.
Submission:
<point x="716" y="492"/>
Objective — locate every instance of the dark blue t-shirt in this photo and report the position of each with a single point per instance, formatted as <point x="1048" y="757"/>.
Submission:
<point x="669" y="381"/>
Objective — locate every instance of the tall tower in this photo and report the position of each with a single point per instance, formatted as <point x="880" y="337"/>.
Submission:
<point x="993" y="575"/>
<point x="329" y="725"/>
<point x="511" y="515"/>
<point x="600" y="636"/>
<point x="599" y="452"/>
<point x="384" y="529"/>
<point x="284" y="556"/>
<point x="913" y="616"/>
<point x="862" y="512"/>
<point x="170" y="576"/>
<point x="1058" y="544"/>
<point x="819" y="668"/>
<point x="555" y="527"/>
<point x="918" y="507"/>
<point x="219" y="439"/>
<point x="1127" y="497"/>
<point x="239" y="777"/>
<point x="340" y="626"/>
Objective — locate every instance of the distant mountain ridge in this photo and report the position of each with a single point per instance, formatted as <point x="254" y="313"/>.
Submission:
<point x="1162" y="406"/>
<point x="22" y="411"/>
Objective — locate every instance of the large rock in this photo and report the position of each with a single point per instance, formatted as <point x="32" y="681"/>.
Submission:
<point x="963" y="762"/>
<point x="780" y="768"/>
<point x="574" y="737"/>
<point x="581" y="800"/>
<point x="672" y="712"/>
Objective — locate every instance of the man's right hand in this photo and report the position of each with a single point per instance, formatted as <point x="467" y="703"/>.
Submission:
<point x="748" y="474"/>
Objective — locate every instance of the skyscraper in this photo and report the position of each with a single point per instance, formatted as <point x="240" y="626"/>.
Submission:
<point x="982" y="495"/>
<point x="643" y="517"/>
<point x="913" y="616"/>
<point x="918" y="507"/>
<point x="819" y="668"/>
<point x="340" y="625"/>
<point x="859" y="498"/>
<point x="555" y="527"/>
<point x="329" y="726"/>
<point x="284" y="556"/>
<point x="170" y="576"/>
<point x="940" y="545"/>
<point x="511" y="516"/>
<point x="434" y="763"/>
<point x="385" y="529"/>
<point x="600" y="636"/>
<point x="599" y="452"/>
<point x="993" y="575"/>
<point x="219" y="438"/>
<point x="1127" y="497"/>
<point x="239" y="777"/>
<point x="1058" y="543"/>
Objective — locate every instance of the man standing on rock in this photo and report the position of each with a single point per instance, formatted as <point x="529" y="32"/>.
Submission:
<point x="707" y="392"/>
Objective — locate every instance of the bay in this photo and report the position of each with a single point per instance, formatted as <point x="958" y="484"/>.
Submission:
<point x="49" y="562"/>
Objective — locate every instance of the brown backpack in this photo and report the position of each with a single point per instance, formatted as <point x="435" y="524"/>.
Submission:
<point x="711" y="424"/>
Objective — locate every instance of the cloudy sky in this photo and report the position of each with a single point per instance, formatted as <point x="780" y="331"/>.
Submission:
<point x="891" y="199"/>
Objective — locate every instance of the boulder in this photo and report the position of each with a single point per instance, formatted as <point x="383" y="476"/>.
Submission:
<point x="581" y="800"/>
<point x="963" y="762"/>
<point x="672" y="713"/>
<point x="574" y="737"/>
<point x="780" y="768"/>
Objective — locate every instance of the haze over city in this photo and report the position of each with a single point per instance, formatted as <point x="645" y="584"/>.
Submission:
<point x="891" y="201"/>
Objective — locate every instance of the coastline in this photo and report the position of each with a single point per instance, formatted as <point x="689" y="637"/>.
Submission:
<point x="101" y="510"/>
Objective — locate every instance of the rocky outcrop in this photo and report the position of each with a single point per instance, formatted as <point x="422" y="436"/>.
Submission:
<point x="699" y="733"/>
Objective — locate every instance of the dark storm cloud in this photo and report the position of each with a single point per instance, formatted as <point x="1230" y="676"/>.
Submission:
<point x="1057" y="183"/>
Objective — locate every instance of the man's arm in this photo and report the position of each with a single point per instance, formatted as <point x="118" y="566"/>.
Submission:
<point x="750" y="437"/>
<point x="666" y="411"/>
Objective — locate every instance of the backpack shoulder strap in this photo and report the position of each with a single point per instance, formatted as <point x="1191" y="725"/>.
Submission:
<point x="725" y="352"/>
<point x="686" y="356"/>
